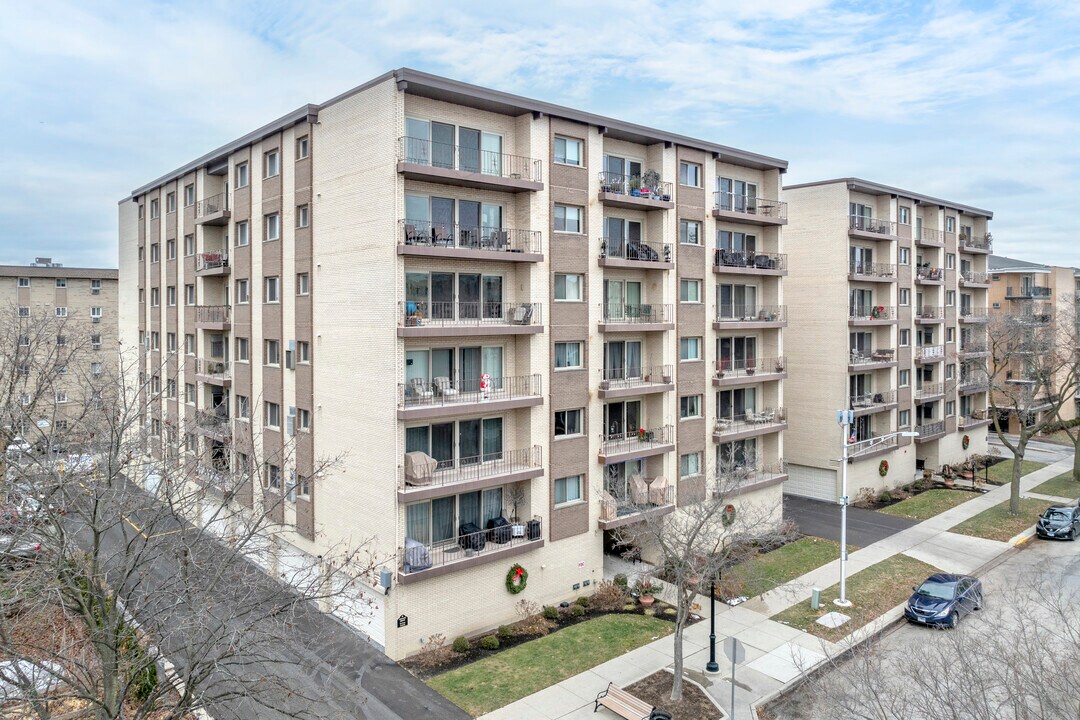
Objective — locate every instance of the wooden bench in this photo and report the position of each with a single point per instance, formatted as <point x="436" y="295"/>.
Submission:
<point x="623" y="704"/>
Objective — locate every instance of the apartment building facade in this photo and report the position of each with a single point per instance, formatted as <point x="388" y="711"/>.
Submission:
<point x="484" y="308"/>
<point x="1041" y="292"/>
<point x="888" y="298"/>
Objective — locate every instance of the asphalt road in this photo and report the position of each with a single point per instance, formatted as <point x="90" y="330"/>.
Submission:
<point x="822" y="519"/>
<point x="1036" y="450"/>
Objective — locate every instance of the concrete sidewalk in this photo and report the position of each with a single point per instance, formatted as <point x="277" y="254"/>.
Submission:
<point x="776" y="654"/>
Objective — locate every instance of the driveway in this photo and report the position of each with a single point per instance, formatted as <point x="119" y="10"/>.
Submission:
<point x="822" y="519"/>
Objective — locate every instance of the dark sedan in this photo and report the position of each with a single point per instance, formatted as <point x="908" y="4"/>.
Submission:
<point x="1059" y="521"/>
<point x="943" y="598"/>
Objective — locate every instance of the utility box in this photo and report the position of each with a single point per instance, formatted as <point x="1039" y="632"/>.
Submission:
<point x="815" y="598"/>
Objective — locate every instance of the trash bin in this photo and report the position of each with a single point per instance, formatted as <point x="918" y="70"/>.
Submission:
<point x="815" y="598"/>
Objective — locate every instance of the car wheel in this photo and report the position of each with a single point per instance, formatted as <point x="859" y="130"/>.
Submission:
<point x="978" y="602"/>
<point x="954" y="620"/>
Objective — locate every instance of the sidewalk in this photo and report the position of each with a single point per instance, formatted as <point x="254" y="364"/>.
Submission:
<point x="775" y="653"/>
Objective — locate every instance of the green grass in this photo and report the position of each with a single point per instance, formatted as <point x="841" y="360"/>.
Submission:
<point x="1061" y="486"/>
<point x="872" y="591"/>
<point x="772" y="569"/>
<point x="1001" y="474"/>
<point x="928" y="504"/>
<point x="997" y="524"/>
<point x="495" y="681"/>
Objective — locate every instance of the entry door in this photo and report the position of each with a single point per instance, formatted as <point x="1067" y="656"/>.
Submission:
<point x="469" y="223"/>
<point x="493" y="439"/>
<point x="416" y="366"/>
<point x="469" y="441"/>
<point x="442" y="219"/>
<point x="493" y="297"/>
<point x="613" y="295"/>
<point x="442" y="296"/>
<point x="417" y="141"/>
<point x="442" y="363"/>
<point x="615" y="419"/>
<point x="491" y="155"/>
<point x="727" y="201"/>
<point x="470" y="369"/>
<point x="442" y="145"/>
<point x="442" y="444"/>
<point x="469" y="295"/>
<point x="469" y="150"/>
<point x="614" y="360"/>
<point x="492" y="364"/>
<point x="633" y="295"/>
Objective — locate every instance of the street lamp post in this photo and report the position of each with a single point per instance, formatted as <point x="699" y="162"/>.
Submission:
<point x="712" y="667"/>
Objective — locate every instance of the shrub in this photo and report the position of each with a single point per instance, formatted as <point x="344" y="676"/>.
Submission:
<point x="577" y="610"/>
<point x="489" y="642"/>
<point x="461" y="644"/>
<point x="551" y="613"/>
<point x="608" y="596"/>
<point x="621" y="582"/>
<point x="885" y="496"/>
<point x="504" y="631"/>
<point x="630" y="607"/>
<point x="583" y="601"/>
<point x="669" y="611"/>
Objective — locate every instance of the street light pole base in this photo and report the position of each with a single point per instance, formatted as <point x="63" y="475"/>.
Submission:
<point x="842" y="603"/>
<point x="712" y="668"/>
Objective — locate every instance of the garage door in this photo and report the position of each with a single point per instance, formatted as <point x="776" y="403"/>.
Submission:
<point x="812" y="482"/>
<point x="360" y="607"/>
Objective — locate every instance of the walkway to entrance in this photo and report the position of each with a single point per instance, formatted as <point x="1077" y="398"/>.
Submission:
<point x="822" y="519"/>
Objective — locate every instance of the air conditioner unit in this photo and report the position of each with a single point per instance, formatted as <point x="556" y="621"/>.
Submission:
<point x="290" y="421"/>
<point x="290" y="487"/>
<point x="95" y="291"/>
<point x="290" y="360"/>
<point x="95" y="318"/>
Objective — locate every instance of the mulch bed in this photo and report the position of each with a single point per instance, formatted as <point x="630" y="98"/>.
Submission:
<point x="904" y="492"/>
<point x="656" y="690"/>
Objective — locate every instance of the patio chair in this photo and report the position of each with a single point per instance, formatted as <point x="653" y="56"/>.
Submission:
<point x="440" y="236"/>
<point x="523" y="314"/>
<point x="411" y="236"/>
<point x="609" y="507"/>
<point x="658" y="491"/>
<point x="419" y="468"/>
<point x="418" y="388"/>
<point x="443" y="387"/>
<point x="639" y="490"/>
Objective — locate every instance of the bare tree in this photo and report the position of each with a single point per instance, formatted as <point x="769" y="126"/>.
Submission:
<point x="163" y="581"/>
<point x="704" y="537"/>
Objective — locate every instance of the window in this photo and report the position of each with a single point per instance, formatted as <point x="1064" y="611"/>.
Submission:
<point x="904" y="419"/>
<point x="301" y="147"/>
<point x="567" y="355"/>
<point x="170" y="295"/>
<point x="170" y="342"/>
<point x="242" y="234"/>
<point x="155" y="340"/>
<point x="568" y="151"/>
<point x="905" y="338"/>
<point x="950" y="261"/>
<point x="689" y="407"/>
<point x="690" y="348"/>
<point x="689" y="465"/>
<point x="189" y="393"/>
<point x="905" y="296"/>
<point x="689" y="232"/>
<point x="690" y="174"/>
<point x="24" y="311"/>
<point x="950" y="408"/>
<point x="302" y="284"/>
<point x="242" y="175"/>
<point x="61" y="282"/>
<point x="155" y="209"/>
<point x="950" y="298"/>
<point x="904" y="256"/>
<point x="170" y="249"/>
<point x="568" y="219"/>
<point x="170" y="388"/>
<point x="302" y="216"/>
<point x="242" y="349"/>
<point x="273" y="414"/>
<point x="24" y="341"/>
<point x="905" y="378"/>
<point x="905" y="215"/>
<point x="272" y="163"/>
<point x="273" y="289"/>
<point x="568" y="288"/>
<point x="191" y="442"/>
<point x="303" y="419"/>
<point x="568" y="422"/>
<point x="303" y="351"/>
<point x="271" y="227"/>
<point x="23" y="282"/>
<point x="170" y="202"/>
<point x="189" y="195"/>
<point x="61" y="397"/>
<point x="61" y="312"/>
<point x="273" y="477"/>
<point x="142" y="296"/>
<point x="303" y="486"/>
<point x="950" y="224"/>
<point x="950" y="371"/>
<point x="189" y="344"/>
<point x="155" y="297"/>
<point x="568" y="489"/>
<point x="189" y="294"/>
<point x="142" y="211"/>
<point x="950" y="335"/>
<point x="242" y="294"/>
<point x="689" y="291"/>
<point x="95" y="312"/>
<point x="189" y="245"/>
<point x="155" y="252"/>
<point x="272" y="352"/>
<point x="243" y="407"/>
<point x="24" y="398"/>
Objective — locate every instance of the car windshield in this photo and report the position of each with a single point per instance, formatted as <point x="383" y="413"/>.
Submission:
<point x="1056" y="515"/>
<point x="939" y="590"/>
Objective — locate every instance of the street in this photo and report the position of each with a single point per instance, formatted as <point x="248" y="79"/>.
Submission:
<point x="1037" y="450"/>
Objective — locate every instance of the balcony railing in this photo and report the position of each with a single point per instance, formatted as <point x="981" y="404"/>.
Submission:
<point x="747" y="367"/>
<point x="418" y="556"/>
<point x="635" y="497"/>
<point x="929" y="312"/>
<point x="974" y="347"/>
<point x="970" y="277"/>
<point x="634" y="186"/>
<point x="631" y="377"/>
<point x="636" y="314"/>
<point x="468" y="314"/>
<point x="212" y="260"/>
<point x="634" y="440"/>
<point x="1029" y="291"/>
<point x="872" y="399"/>
<point x="420" y="151"/>
<point x="927" y="390"/>
<point x="871" y="312"/>
<point x="881" y="355"/>
<point x="215" y="420"/>
<point x="622" y="249"/>
<point x="735" y="202"/>
<point x="749" y="259"/>
<point x="425" y="233"/>
<point x="441" y="473"/>
<point x="929" y="236"/>
<point x="871" y="225"/>
<point x="974" y="313"/>
<point x="974" y="383"/>
<point x="979" y="416"/>
<point x="871" y="444"/>
<point x="220" y="369"/>
<point x="211" y="205"/>
<point x="747" y="475"/>
<point x="929" y="429"/>
<point x="930" y="352"/>
<point x="872" y="269"/>
<point x="976" y="242"/>
<point x="442" y="391"/>
<point x="750" y="420"/>
<point x="929" y="273"/>
<point x="212" y="313"/>
<point x="751" y="313"/>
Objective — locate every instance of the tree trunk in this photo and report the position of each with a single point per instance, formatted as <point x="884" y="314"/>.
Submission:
<point x="1076" y="458"/>
<point x="681" y="613"/>
<point x="1014" y="490"/>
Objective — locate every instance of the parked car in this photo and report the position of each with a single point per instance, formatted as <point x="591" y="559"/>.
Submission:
<point x="19" y="549"/>
<point x="942" y="599"/>
<point x="1059" y="521"/>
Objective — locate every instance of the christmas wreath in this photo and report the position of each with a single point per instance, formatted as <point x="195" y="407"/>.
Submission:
<point x="728" y="515"/>
<point x="516" y="579"/>
<point x="883" y="468"/>
<point x="967" y="441"/>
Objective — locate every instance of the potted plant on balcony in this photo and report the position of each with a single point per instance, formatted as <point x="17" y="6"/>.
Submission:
<point x="645" y="590"/>
<point x="650" y="184"/>
<point x="635" y="186"/>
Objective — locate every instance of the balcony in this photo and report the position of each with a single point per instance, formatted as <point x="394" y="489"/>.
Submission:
<point x="213" y="210"/>
<point x="420" y="560"/>
<point x="749" y="209"/>
<point x="926" y="275"/>
<point x="871" y="272"/>
<point x="972" y="349"/>
<point x="213" y="372"/>
<point x="419" y="399"/>
<point x="864" y="228"/>
<point x="634" y="192"/>
<point x="873" y="402"/>
<point x="929" y="315"/>
<point x="974" y="314"/>
<point x="979" y="418"/>
<point x="644" y="497"/>
<point x="627" y="382"/>
<point x="749" y="477"/>
<point x="928" y="237"/>
<point x="974" y="383"/>
<point x="214" y="262"/>
<point x="214" y="423"/>
<point x="422" y="238"/>
<point x="751" y="424"/>
<point x="928" y="392"/>
<point x="877" y="360"/>
<point x="930" y="431"/>
<point x="930" y="354"/>
<point x="972" y="279"/>
<point x="213" y="317"/>
<point x="421" y="159"/>
<point x="750" y="317"/>
<point x="873" y="446"/>
<point x="449" y="319"/>
<point x="983" y="244"/>
<point x="619" y="447"/>
<point x="620" y="253"/>
<point x="1027" y="292"/>
<point x="636" y="318"/>
<point x="866" y="315"/>
<point x="748" y="262"/>
<point x="746" y="371"/>
<point x="426" y="477"/>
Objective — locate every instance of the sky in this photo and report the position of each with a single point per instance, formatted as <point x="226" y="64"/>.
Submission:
<point x="974" y="102"/>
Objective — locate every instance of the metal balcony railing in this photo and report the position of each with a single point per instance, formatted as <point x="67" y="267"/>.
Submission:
<point x="876" y="356"/>
<point x="747" y="474"/>
<point x="418" y="555"/>
<point x="872" y="399"/>
<point x="216" y="420"/>
<point x="442" y="391"/>
<point x="929" y="235"/>
<point x="930" y="352"/>
<point x="629" y="377"/>
<point x="930" y="312"/>
<point x="747" y="367"/>
<point x="974" y="347"/>
<point x="751" y="313"/>
<point x="972" y="418"/>
<point x="749" y="259"/>
<point x="636" y="497"/>
<point x="212" y="260"/>
<point x="211" y="205"/>
<point x="442" y="473"/>
<point x="447" y="314"/>
<point x="635" y="186"/>
<point x="636" y="314"/>
<point x="930" y="429"/>
<point x="974" y="382"/>
<point x="929" y="390"/>
<point x="420" y="151"/>
<point x="750" y="204"/>
<point x="974" y="313"/>
<point x="970" y="277"/>
<point x="750" y="420"/>
<point x="864" y="445"/>
<point x="871" y="225"/>
<point x="925" y="272"/>
<point x="633" y="440"/>
<point x="976" y="242"/>
<point x="1027" y="291"/>
<point x="221" y="369"/>
<point x="623" y="249"/>
<point x="469" y="237"/>
<point x="212" y="313"/>
<point x="871" y="312"/>
<point x="872" y="269"/>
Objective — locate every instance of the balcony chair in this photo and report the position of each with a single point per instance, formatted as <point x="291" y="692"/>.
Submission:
<point x="658" y="491"/>
<point x="609" y="507"/>
<point x="523" y="314"/>
<point x="499" y="530"/>
<point x="440" y="236"/>
<point x="443" y="388"/>
<point x="411" y="236"/>
<point x="417" y="556"/>
<point x="419" y="468"/>
<point x="419" y="390"/>
<point x="639" y="490"/>
<point x="470" y="537"/>
<point x="498" y="240"/>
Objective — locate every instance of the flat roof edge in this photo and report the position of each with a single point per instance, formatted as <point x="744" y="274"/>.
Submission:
<point x="855" y="183"/>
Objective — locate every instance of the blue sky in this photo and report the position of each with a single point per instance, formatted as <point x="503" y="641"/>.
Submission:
<point x="973" y="102"/>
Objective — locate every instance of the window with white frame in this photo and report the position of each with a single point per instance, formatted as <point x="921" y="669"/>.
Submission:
<point x="155" y="340"/>
<point x="950" y="224"/>
<point x="950" y="297"/>
<point x="155" y="297"/>
<point x="567" y="355"/>
<point x="242" y="349"/>
<point x="23" y="282"/>
<point x="272" y="163"/>
<point x="155" y="252"/>
<point x="243" y="236"/>
<point x="273" y="289"/>
<point x="95" y="312"/>
<point x="905" y="337"/>
<point x="568" y="489"/>
<point x="302" y="283"/>
<point x="189" y="294"/>
<point x="689" y="407"/>
<point x="273" y="414"/>
<point x="303" y="419"/>
<point x="903" y="256"/>
<point x="189" y="245"/>
<point x="61" y="282"/>
<point x="904" y="215"/>
<point x="950" y="408"/>
<point x="242" y="175"/>
<point x="272" y="352"/>
<point x="690" y="465"/>
<point x="690" y="174"/>
<point x="24" y="311"/>
<point x="242" y="294"/>
<point x="61" y="397"/>
<point x="273" y="477"/>
<point x="950" y="335"/>
<point x="568" y="151"/>
<point x="155" y="209"/>
<point x="690" y="348"/>
<point x="189" y="343"/>
<point x="170" y="341"/>
<point x="950" y="261"/>
<point x="905" y="378"/>
<point x="170" y="295"/>
<point x="568" y="422"/>
<point x="61" y="312"/>
<point x="905" y="296"/>
<point x="568" y="288"/>
<point x="243" y="407"/>
<point x="301" y="147"/>
<point x="271" y="227"/>
<point x="689" y="232"/>
<point x="904" y="418"/>
<point x="189" y="393"/>
<point x="170" y="202"/>
<point x="189" y="194"/>
<point x="303" y="352"/>
<point x="302" y="216"/>
<point x="568" y="218"/>
<point x="689" y="291"/>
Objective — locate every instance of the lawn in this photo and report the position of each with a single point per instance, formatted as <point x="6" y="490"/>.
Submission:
<point x="997" y="524"/>
<point x="1001" y="473"/>
<point x="873" y="591"/>
<point x="1059" y="437"/>
<point x="495" y="681"/>
<point x="928" y="504"/>
<point x="772" y="569"/>
<point x="1061" y="486"/>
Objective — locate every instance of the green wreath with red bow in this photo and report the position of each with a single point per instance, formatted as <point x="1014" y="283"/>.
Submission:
<point x="516" y="579"/>
<point x="883" y="468"/>
<point x="966" y="442"/>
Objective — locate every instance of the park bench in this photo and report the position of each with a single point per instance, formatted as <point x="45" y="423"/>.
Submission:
<point x="627" y="706"/>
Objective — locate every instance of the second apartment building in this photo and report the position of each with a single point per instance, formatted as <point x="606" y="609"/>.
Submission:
<point x="888" y="299"/>
<point x="488" y="309"/>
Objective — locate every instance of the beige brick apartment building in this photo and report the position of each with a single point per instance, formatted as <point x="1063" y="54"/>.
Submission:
<point x="888" y="300"/>
<point x="489" y="307"/>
